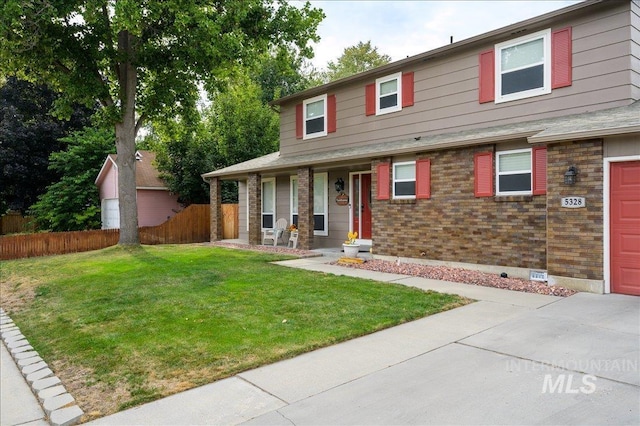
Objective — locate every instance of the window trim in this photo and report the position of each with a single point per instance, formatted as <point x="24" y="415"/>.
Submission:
<point x="325" y="184"/>
<point x="292" y="205"/>
<point x="304" y="117"/>
<point x="262" y="212"/>
<point x="498" y="173"/>
<point x="394" y="180"/>
<point x="398" y="77"/>
<point x="325" y="177"/>
<point x="545" y="35"/>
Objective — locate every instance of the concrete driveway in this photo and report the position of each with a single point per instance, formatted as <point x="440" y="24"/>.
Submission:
<point x="510" y="358"/>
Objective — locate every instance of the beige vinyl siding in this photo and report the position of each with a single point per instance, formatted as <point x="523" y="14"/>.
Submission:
<point x="446" y="90"/>
<point x="621" y="146"/>
<point x="635" y="49"/>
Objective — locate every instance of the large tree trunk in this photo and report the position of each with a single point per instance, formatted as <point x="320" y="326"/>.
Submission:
<point x="126" y="142"/>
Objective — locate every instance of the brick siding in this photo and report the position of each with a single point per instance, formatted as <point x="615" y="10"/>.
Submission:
<point x="254" y="187"/>
<point x="575" y="246"/>
<point x="305" y="208"/>
<point x="454" y="225"/>
<point x="215" y="200"/>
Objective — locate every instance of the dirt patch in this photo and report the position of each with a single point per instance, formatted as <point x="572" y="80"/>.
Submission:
<point x="267" y="249"/>
<point x="17" y="291"/>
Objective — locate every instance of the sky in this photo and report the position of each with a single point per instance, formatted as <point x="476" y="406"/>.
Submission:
<point x="406" y="28"/>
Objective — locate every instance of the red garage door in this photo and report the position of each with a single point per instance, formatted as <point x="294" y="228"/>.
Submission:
<point x="625" y="227"/>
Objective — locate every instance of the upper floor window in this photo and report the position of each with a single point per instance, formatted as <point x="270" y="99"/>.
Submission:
<point x="315" y="117"/>
<point x="523" y="67"/>
<point x="514" y="172"/>
<point x="528" y="66"/>
<point x="389" y="94"/>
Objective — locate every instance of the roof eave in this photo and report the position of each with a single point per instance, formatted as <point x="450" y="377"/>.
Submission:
<point x="421" y="57"/>
<point x="588" y="134"/>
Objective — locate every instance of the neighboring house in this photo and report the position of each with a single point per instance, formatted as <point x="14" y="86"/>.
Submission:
<point x="155" y="203"/>
<point x="459" y="155"/>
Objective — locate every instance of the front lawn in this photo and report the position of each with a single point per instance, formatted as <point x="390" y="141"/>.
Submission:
<point x="124" y="326"/>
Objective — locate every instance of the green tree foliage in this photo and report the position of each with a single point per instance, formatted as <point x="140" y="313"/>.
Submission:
<point x="280" y="75"/>
<point x="143" y="59"/>
<point x="73" y="203"/>
<point x="355" y="59"/>
<point x="184" y="151"/>
<point x="28" y="135"/>
<point x="236" y="127"/>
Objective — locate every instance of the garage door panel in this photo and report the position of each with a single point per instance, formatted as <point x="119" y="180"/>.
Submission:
<point x="625" y="227"/>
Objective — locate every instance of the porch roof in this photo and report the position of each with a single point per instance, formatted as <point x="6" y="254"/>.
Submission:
<point x="609" y="122"/>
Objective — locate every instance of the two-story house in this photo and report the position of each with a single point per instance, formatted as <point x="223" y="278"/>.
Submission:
<point x="518" y="150"/>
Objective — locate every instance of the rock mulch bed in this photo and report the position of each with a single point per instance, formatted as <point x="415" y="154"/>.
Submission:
<point x="443" y="273"/>
<point x="465" y="276"/>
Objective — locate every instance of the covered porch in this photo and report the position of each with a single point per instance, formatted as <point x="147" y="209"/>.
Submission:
<point x="324" y="202"/>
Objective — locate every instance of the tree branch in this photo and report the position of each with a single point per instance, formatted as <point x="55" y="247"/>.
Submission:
<point x="140" y="122"/>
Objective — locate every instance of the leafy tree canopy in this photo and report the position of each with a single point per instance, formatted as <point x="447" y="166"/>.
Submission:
<point x="28" y="135"/>
<point x="236" y="127"/>
<point x="143" y="59"/>
<point x="73" y="202"/>
<point x="355" y="59"/>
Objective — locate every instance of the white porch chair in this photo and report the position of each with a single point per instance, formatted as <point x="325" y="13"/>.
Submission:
<point x="275" y="233"/>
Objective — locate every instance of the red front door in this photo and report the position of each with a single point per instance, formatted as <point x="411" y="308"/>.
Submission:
<point x="625" y="227"/>
<point x="361" y="184"/>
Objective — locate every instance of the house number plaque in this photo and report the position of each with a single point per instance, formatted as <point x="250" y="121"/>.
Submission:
<point x="573" y="202"/>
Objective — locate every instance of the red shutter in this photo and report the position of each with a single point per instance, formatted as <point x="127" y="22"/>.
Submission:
<point x="407" y="89"/>
<point x="539" y="170"/>
<point x="383" y="171"/>
<point x="299" y="121"/>
<point x="370" y="99"/>
<point x="331" y="113"/>
<point x="423" y="178"/>
<point x="561" y="62"/>
<point x="487" y="78"/>
<point x="483" y="166"/>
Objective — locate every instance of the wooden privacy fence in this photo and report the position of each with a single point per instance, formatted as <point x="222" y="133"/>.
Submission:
<point x="230" y="225"/>
<point x="14" y="222"/>
<point x="192" y="225"/>
<point x="189" y="226"/>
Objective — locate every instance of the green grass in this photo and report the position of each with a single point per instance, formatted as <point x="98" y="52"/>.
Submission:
<point x="143" y="323"/>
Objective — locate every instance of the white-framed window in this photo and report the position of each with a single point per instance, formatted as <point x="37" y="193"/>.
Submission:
<point x="268" y="203"/>
<point x="404" y="180"/>
<point x="523" y="67"/>
<point x="513" y="172"/>
<point x="314" y="117"/>
<point x="389" y="94"/>
<point x="320" y="203"/>
<point x="293" y="200"/>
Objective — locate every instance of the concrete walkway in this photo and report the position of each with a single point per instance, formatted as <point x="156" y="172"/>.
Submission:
<point x="18" y="405"/>
<point x="510" y="358"/>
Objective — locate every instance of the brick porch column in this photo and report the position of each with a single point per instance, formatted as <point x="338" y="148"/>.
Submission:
<point x="215" y="199"/>
<point x="305" y="208"/>
<point x="254" y="209"/>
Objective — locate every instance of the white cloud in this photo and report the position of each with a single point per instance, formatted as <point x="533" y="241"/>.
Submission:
<point x="406" y="28"/>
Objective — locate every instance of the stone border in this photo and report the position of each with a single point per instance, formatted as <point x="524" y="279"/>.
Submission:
<point x="57" y="403"/>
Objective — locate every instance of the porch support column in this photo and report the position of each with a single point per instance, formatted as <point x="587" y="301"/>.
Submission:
<point x="254" y="209"/>
<point x="305" y="208"/>
<point x="215" y="200"/>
